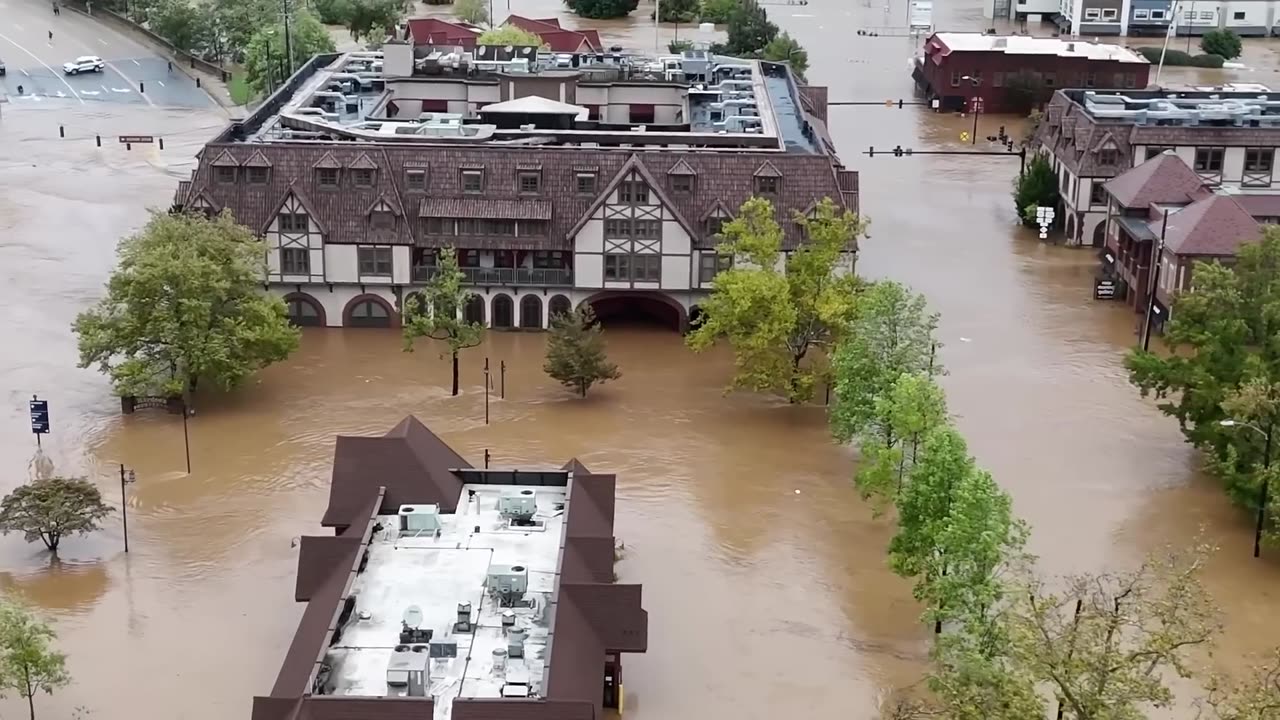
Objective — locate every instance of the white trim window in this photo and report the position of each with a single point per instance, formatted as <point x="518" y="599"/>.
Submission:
<point x="1092" y="14"/>
<point x="1206" y="15"/>
<point x="1140" y="14"/>
<point x="1110" y="14"/>
<point x="1158" y="15"/>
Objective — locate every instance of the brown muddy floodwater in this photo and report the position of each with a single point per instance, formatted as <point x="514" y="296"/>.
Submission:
<point x="758" y="594"/>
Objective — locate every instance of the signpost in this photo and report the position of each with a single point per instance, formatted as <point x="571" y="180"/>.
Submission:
<point x="920" y="15"/>
<point x="1044" y="218"/>
<point x="1104" y="289"/>
<point x="39" y="417"/>
<point x="137" y="139"/>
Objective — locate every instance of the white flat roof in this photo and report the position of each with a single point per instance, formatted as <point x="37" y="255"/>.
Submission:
<point x="436" y="573"/>
<point x="1027" y="45"/>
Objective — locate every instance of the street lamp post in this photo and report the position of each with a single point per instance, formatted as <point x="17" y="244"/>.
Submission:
<point x="1157" y="260"/>
<point x="124" y="502"/>
<point x="1262" y="491"/>
<point x="975" y="107"/>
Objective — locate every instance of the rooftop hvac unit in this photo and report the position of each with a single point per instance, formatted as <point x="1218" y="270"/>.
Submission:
<point x="519" y="505"/>
<point x="508" y="580"/>
<point x="415" y="519"/>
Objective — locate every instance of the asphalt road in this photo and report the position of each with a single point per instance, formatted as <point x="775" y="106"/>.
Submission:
<point x="134" y="74"/>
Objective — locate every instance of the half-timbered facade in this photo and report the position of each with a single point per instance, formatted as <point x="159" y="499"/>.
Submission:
<point x="353" y="228"/>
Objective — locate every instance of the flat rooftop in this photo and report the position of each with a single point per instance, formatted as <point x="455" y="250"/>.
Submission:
<point x="1182" y="109"/>
<point x="421" y="576"/>
<point x="1027" y="45"/>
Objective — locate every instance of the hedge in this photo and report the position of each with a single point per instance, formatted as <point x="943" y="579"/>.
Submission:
<point x="1176" y="58"/>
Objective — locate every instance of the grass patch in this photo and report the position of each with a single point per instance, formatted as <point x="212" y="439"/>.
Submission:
<point x="239" y="89"/>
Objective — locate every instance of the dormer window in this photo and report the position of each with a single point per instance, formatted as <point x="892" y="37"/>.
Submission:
<point x="225" y="175"/>
<point x="292" y="222"/>
<point x="327" y="177"/>
<point x="415" y="180"/>
<point x="529" y="181"/>
<point x="362" y="177"/>
<point x="472" y="181"/>
<point x="586" y="183"/>
<point x="766" y="185"/>
<point x="382" y="220"/>
<point x="682" y="183"/>
<point x="1108" y="156"/>
<point x="715" y="225"/>
<point x="258" y="175"/>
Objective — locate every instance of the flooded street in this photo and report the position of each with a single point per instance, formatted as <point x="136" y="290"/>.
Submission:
<point x="756" y="594"/>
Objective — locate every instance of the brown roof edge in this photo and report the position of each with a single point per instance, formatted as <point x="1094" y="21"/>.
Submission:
<point x="602" y="489"/>
<point x="510" y="709"/>
<point x="575" y="466"/>
<point x="614" y="611"/>
<point x="317" y="557"/>
<point x="338" y="707"/>
<point x="271" y="708"/>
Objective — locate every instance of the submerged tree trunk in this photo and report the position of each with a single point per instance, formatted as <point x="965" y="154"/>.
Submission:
<point x="31" y="691"/>
<point x="455" y="373"/>
<point x="582" y="387"/>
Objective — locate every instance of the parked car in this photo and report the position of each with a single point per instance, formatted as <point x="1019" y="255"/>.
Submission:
<point x="88" y="63"/>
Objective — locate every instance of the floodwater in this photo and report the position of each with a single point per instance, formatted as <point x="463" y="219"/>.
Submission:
<point x="764" y="575"/>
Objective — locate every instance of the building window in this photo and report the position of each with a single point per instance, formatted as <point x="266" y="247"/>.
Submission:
<point x="533" y="228"/>
<point x="291" y="223"/>
<point x="642" y="114"/>
<point x="529" y="181"/>
<point x="415" y="180"/>
<point x="1259" y="159"/>
<point x="1206" y="14"/>
<point x="1209" y="159"/>
<point x="1110" y="13"/>
<point x="469" y="258"/>
<point x="225" y="175"/>
<point x="1108" y="157"/>
<point x="1092" y="14"/>
<point x="766" y="185"/>
<point x="1237" y="16"/>
<point x="362" y="177"/>
<point x="295" y="261"/>
<point x="1091" y="79"/>
<point x="646" y="229"/>
<point x="258" y="176"/>
<point x="462" y="226"/>
<point x="1139" y="14"/>
<point x="382" y="220"/>
<point x="1157" y="15"/>
<point x="593" y="112"/>
<point x="374" y="260"/>
<point x="617" y="228"/>
<point x="682" y="183"/>
<point x="955" y="78"/>
<point x="586" y="183"/>
<point x="640" y="268"/>
<point x="499" y="227"/>
<point x="441" y="226"/>
<point x="1097" y="195"/>
<point x="472" y="181"/>
<point x="548" y="259"/>
<point x="1154" y="150"/>
<point x="715" y="226"/>
<point x="710" y="265"/>
<point x="617" y="266"/>
<point x="633" y="191"/>
<point x="327" y="177"/>
<point x="1050" y="79"/>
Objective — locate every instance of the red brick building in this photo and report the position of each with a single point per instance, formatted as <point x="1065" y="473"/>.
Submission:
<point x="955" y="67"/>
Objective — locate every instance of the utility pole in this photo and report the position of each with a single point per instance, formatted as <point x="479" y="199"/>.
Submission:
<point x="288" y="39"/>
<point x="124" y="502"/>
<point x="1155" y="282"/>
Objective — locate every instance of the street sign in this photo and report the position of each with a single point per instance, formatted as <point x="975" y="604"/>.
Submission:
<point x="39" y="416"/>
<point x="1104" y="289"/>
<point x="975" y="105"/>
<point x="964" y="136"/>
<point x="136" y="139"/>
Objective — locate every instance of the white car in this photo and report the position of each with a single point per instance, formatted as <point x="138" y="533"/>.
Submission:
<point x="88" y="63"/>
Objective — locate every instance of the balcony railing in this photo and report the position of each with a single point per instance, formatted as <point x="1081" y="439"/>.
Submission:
<point x="502" y="276"/>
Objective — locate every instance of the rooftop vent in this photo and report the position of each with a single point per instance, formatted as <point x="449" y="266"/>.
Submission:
<point x="518" y="505"/>
<point x="444" y="649"/>
<point x="515" y="642"/>
<point x="499" y="661"/>
<point x="463" y="624"/>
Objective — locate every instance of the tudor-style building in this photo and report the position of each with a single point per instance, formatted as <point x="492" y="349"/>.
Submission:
<point x="611" y="216"/>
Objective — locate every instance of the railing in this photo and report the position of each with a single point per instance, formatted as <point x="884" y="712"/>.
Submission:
<point x="502" y="276"/>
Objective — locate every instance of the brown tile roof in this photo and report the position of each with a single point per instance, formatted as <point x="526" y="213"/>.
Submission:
<point x="225" y="159"/>
<point x="587" y="560"/>
<point x="328" y="707"/>
<point x="409" y="461"/>
<point x="500" y="709"/>
<point x="1164" y="179"/>
<point x="682" y="168"/>
<point x="767" y="169"/>
<point x="257" y="160"/>
<point x="1261" y="205"/>
<point x="1215" y="225"/>
<point x="317" y="557"/>
<point x="485" y="208"/>
<point x="592" y="497"/>
<point x="633" y="164"/>
<point x="434" y="31"/>
<point x="363" y="163"/>
<point x="1074" y="136"/>
<point x="575" y="466"/>
<point x="180" y="195"/>
<point x="722" y="177"/>
<point x="558" y="38"/>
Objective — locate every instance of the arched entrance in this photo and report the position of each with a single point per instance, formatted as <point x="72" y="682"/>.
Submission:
<point x="646" y="308"/>
<point x="559" y="305"/>
<point x="304" y="310"/>
<point x="503" y="310"/>
<point x="473" y="311"/>
<point x="1100" y="234"/>
<point x="368" y="311"/>
<point x="531" y="312"/>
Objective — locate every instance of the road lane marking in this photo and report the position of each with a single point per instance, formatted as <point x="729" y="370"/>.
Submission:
<point x="161" y="83"/>
<point x="9" y="40"/>
<point x="104" y="42"/>
<point x="130" y="82"/>
<point x="135" y="62"/>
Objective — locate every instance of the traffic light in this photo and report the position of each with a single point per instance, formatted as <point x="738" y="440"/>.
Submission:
<point x="897" y="151"/>
<point x="871" y="151"/>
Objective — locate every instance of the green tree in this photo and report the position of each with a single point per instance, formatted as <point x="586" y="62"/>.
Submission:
<point x="475" y="12"/>
<point x="970" y="679"/>
<point x="372" y="19"/>
<point x="1222" y="42"/>
<point x="1224" y="335"/>
<point x="265" y="63"/>
<point x="601" y="9"/>
<point x="679" y="11"/>
<point x="718" y="11"/>
<point x="1256" y="697"/>
<point x="509" y="35"/>
<point x="434" y="313"/>
<point x="774" y="318"/>
<point x="1037" y="187"/>
<point x="49" y="509"/>
<point x="750" y="30"/>
<point x="784" y="48"/>
<point x="905" y="414"/>
<point x="891" y="333"/>
<point x="28" y="663"/>
<point x="179" y="22"/>
<point x="332" y="12"/>
<point x="675" y="47"/>
<point x="575" y="351"/>
<point x="1108" y="644"/>
<point x="184" y="306"/>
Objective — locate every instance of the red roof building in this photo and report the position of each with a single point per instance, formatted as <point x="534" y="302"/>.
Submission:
<point x="434" y="31"/>
<point x="559" y="39"/>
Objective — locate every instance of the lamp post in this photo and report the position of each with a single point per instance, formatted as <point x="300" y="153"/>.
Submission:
<point x="124" y="502"/>
<point x="1157" y="260"/>
<point x="1262" y="491"/>
<point x="186" y="437"/>
<point x="975" y="107"/>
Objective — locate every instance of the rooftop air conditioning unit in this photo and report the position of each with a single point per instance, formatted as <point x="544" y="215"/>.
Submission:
<point x="508" y="580"/>
<point x="519" y="505"/>
<point x="419" y="519"/>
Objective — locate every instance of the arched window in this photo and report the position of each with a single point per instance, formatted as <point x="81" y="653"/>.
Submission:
<point x="531" y="312"/>
<point x="503" y="309"/>
<point x="369" y="314"/>
<point x="473" y="311"/>
<point x="303" y="311"/>
<point x="559" y="305"/>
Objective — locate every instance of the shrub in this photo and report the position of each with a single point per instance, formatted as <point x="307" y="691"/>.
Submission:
<point x="1207" y="61"/>
<point x="1221" y="42"/>
<point x="718" y="11"/>
<point x="1178" y="58"/>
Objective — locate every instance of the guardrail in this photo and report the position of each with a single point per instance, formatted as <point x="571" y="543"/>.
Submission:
<point x="502" y="276"/>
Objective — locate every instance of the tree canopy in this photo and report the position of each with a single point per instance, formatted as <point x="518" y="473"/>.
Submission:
<point x="718" y="11"/>
<point x="784" y="48"/>
<point x="508" y="35"/>
<point x="475" y="12"/>
<point x="185" y="305"/>
<point x="679" y="11"/>
<point x="28" y="663"/>
<point x="601" y="9"/>
<point x="773" y="311"/>
<point x="1226" y="341"/>
<point x="49" y="509"/>
<point x="1222" y="42"/>
<point x="265" y="63"/>
<point x="750" y="29"/>
<point x="1036" y="187"/>
<point x="373" y="19"/>
<point x="434" y="313"/>
<point x="575" y="351"/>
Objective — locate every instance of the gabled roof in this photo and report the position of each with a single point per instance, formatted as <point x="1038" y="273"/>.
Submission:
<point x="328" y="162"/>
<point x="434" y="31"/>
<point x="409" y="461"/>
<point x="559" y="39"/>
<point x="257" y="160"/>
<point x="716" y="209"/>
<point x="1214" y="225"/>
<point x="1164" y="179"/>
<point x="363" y="163"/>
<point x="633" y="164"/>
<point x="392" y="204"/>
<point x="681" y="168"/>
<point x="295" y="192"/>
<point x="767" y="169"/>
<point x="225" y="159"/>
